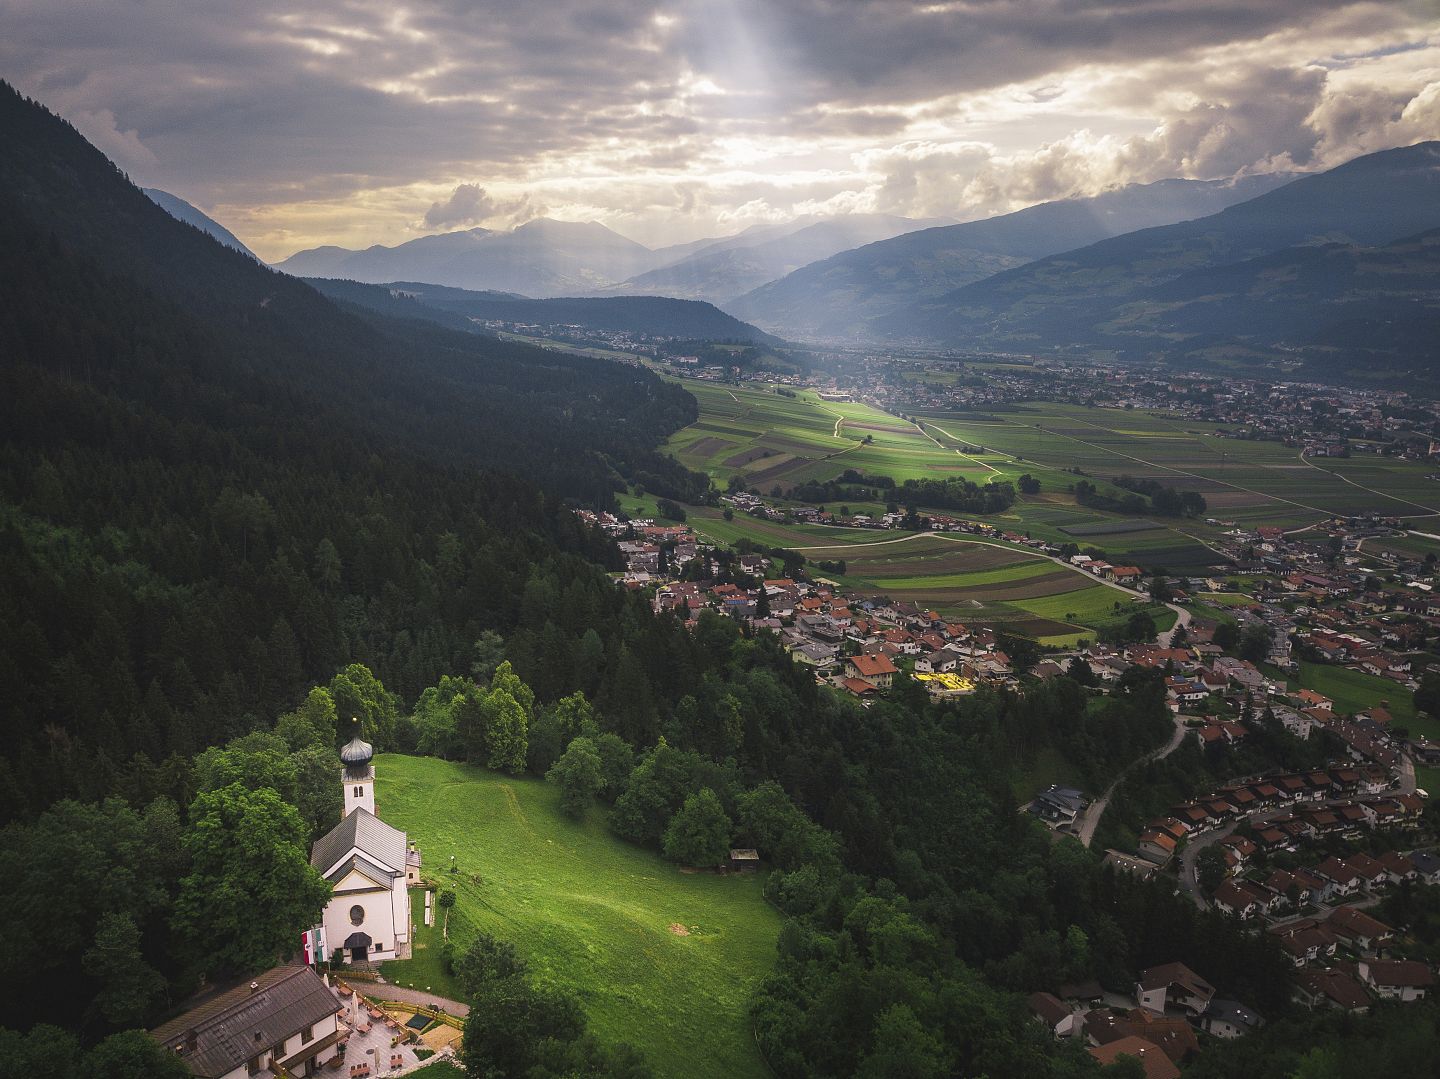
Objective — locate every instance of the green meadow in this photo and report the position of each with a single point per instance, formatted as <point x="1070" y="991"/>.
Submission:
<point x="663" y="959"/>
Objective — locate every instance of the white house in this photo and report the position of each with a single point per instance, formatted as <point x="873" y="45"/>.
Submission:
<point x="285" y="1018"/>
<point x="1397" y="979"/>
<point x="366" y="861"/>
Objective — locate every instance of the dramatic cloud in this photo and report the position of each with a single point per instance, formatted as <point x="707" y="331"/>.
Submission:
<point x="468" y="204"/>
<point x="363" y="121"/>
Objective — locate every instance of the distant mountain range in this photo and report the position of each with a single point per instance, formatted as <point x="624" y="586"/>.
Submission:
<point x="842" y="295"/>
<point x="538" y="258"/>
<point x="1335" y="270"/>
<point x="723" y="270"/>
<point x="653" y="316"/>
<point x="1167" y="289"/>
<point x="178" y="208"/>
<point x="547" y="258"/>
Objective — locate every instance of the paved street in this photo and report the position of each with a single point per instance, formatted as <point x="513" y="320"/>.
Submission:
<point x="1188" y="883"/>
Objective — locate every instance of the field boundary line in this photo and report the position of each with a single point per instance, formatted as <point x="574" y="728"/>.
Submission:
<point x="920" y="426"/>
<point x="1361" y="486"/>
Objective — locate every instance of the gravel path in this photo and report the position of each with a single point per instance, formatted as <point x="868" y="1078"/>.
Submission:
<point x="386" y="991"/>
<point x="1096" y="809"/>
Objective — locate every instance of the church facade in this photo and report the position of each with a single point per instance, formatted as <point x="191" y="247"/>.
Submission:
<point x="365" y="860"/>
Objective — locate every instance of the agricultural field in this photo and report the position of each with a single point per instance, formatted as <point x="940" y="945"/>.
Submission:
<point x="769" y="439"/>
<point x="1408" y="545"/>
<point x="1353" y="691"/>
<point x="662" y="959"/>
<point x="1248" y="481"/>
<point x="979" y="581"/>
<point x="775" y="441"/>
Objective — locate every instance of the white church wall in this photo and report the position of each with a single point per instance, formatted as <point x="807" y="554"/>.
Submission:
<point x="378" y="921"/>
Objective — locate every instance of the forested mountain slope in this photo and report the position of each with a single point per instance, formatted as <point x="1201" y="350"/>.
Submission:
<point x="1086" y="295"/>
<point x="650" y="316"/>
<point x="215" y="484"/>
<point x="841" y="296"/>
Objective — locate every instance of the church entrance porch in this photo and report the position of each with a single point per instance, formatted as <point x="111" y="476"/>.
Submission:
<point x="358" y="946"/>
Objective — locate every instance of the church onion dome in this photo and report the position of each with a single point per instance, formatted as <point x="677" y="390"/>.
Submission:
<point x="357" y="753"/>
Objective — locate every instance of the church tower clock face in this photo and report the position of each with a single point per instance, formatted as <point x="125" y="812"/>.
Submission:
<point x="357" y="914"/>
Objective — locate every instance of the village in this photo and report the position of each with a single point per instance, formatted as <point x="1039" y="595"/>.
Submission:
<point x="1302" y="853"/>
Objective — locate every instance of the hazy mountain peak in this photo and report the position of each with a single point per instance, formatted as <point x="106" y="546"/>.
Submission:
<point x="181" y="210"/>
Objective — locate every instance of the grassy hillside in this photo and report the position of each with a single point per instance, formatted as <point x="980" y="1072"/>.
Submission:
<point x="594" y="914"/>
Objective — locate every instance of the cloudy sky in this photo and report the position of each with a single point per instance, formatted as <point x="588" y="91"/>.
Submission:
<point x="375" y="121"/>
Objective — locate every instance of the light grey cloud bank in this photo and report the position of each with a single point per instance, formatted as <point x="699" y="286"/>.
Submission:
<point x="362" y="121"/>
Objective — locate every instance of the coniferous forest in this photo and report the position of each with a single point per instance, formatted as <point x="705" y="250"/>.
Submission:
<point x="234" y="514"/>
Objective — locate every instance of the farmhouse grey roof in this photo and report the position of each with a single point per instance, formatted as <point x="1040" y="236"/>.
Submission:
<point x="1233" y="1012"/>
<point x="366" y="832"/>
<point x="221" y="1034"/>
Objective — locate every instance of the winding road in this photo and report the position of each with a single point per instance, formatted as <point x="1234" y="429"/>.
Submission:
<point x="1097" y="808"/>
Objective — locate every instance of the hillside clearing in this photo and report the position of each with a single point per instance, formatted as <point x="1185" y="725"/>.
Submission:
<point x="593" y="914"/>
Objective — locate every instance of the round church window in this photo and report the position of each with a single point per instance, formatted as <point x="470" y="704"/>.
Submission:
<point x="357" y="915"/>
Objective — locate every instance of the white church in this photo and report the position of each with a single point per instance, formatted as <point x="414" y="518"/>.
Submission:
<point x="369" y="864"/>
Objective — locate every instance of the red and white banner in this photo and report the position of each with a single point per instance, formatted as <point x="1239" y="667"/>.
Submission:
<point x="312" y="946"/>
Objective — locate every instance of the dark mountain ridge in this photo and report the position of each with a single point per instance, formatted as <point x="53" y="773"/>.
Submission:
<point x="217" y="486"/>
<point x="181" y="210"/>
<point x="650" y="316"/>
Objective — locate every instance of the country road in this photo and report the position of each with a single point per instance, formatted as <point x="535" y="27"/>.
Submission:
<point x="1096" y="809"/>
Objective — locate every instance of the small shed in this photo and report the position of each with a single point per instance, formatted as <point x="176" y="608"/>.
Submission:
<point x="744" y="860"/>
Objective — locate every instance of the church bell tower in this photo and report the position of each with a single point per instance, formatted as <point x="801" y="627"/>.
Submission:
<point x="359" y="774"/>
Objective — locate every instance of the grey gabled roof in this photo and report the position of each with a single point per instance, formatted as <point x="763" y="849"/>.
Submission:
<point x="229" y="1029"/>
<point x="363" y="830"/>
<point x="364" y="867"/>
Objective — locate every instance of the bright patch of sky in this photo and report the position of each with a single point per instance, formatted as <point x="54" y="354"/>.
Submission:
<point x="375" y="121"/>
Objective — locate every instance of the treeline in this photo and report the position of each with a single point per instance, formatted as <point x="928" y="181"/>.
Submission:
<point x="1165" y="501"/>
<point x="1162" y="501"/>
<point x="850" y="485"/>
<point x="958" y="494"/>
<point x="955" y="493"/>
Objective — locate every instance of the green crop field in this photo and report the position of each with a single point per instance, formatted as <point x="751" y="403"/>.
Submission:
<point x="593" y="914"/>
<point x="770" y="439"/>
<point x="1246" y="480"/>
<point x="985" y="582"/>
